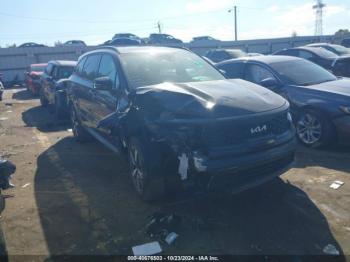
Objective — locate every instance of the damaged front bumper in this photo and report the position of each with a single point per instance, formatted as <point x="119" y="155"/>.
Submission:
<point x="237" y="170"/>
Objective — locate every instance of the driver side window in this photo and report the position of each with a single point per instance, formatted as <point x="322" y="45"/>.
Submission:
<point x="257" y="73"/>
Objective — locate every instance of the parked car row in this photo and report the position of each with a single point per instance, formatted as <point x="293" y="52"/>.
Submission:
<point x="184" y="122"/>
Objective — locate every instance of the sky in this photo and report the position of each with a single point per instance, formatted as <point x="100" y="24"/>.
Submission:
<point x="95" y="21"/>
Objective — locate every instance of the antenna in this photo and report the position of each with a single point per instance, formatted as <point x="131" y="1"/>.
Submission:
<point x="319" y="17"/>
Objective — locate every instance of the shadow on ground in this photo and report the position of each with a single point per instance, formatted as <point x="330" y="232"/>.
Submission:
<point x="23" y="95"/>
<point x="87" y="206"/>
<point x="43" y="120"/>
<point x="332" y="157"/>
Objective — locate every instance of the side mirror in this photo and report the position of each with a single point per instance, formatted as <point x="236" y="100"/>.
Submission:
<point x="103" y="83"/>
<point x="270" y="83"/>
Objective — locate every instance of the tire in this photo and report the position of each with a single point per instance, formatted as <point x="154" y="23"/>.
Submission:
<point x="43" y="100"/>
<point x="57" y="109"/>
<point x="146" y="170"/>
<point x="313" y="129"/>
<point x="79" y="133"/>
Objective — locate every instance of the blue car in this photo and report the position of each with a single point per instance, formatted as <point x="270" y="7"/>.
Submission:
<point x="320" y="101"/>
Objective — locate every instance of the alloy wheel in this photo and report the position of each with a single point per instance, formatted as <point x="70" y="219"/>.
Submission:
<point x="309" y="129"/>
<point x="136" y="169"/>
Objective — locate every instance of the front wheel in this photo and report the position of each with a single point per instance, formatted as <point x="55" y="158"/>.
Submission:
<point x="313" y="129"/>
<point x="145" y="172"/>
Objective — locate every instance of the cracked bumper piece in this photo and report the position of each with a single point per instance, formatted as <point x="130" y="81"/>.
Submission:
<point x="240" y="172"/>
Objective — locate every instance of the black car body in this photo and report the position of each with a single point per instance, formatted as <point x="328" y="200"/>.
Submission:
<point x="124" y="41"/>
<point x="126" y="35"/>
<point x="338" y="65"/>
<point x="204" y="40"/>
<point x="75" y="43"/>
<point x="177" y="115"/>
<point x="337" y="49"/>
<point x="163" y="39"/>
<point x="219" y="55"/>
<point x="54" y="84"/>
<point x="313" y="92"/>
<point x="31" y="44"/>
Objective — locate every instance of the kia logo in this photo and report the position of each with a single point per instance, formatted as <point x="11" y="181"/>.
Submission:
<point x="258" y="129"/>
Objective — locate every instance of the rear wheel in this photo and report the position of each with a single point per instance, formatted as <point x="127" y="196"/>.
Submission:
<point x="146" y="172"/>
<point x="313" y="130"/>
<point x="79" y="133"/>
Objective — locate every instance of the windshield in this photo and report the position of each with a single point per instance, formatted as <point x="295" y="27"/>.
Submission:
<point x="341" y="50"/>
<point x="174" y="66"/>
<point x="38" y="68"/>
<point x="302" y="72"/>
<point x="65" y="72"/>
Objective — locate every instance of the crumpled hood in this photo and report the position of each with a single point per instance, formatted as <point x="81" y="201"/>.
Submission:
<point x="211" y="99"/>
<point x="339" y="87"/>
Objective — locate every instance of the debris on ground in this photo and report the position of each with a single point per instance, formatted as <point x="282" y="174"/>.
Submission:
<point x="70" y="130"/>
<point x="160" y="225"/>
<point x="25" y="185"/>
<point x="3" y="118"/>
<point x="336" y="184"/>
<point x="148" y="249"/>
<point x="331" y="250"/>
<point x="171" y="238"/>
<point x="8" y="104"/>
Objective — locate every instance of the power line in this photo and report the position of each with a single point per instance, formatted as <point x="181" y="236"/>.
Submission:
<point x="105" y="21"/>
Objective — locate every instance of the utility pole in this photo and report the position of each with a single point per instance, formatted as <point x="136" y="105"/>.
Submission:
<point x="159" y="25"/>
<point x="235" y="11"/>
<point x="235" y="14"/>
<point x="319" y="17"/>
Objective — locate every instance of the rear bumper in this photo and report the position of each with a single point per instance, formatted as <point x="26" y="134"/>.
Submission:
<point x="342" y="125"/>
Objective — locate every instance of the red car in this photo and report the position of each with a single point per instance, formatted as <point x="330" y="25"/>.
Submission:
<point x="32" y="77"/>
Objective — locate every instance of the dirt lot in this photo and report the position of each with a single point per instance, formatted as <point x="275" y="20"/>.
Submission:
<point x="77" y="199"/>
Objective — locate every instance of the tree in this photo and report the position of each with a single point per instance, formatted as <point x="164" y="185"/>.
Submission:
<point x="343" y="33"/>
<point x="58" y="43"/>
<point x="9" y="46"/>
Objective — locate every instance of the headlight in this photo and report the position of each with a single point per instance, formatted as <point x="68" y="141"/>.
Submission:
<point x="289" y="117"/>
<point x="345" y="109"/>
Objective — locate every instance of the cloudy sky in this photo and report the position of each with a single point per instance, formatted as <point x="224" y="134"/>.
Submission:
<point x="97" y="21"/>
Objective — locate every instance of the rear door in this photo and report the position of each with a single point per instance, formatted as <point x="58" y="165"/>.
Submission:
<point x="105" y="102"/>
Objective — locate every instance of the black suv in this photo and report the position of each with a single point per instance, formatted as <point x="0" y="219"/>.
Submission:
<point x="179" y="121"/>
<point x="53" y="85"/>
